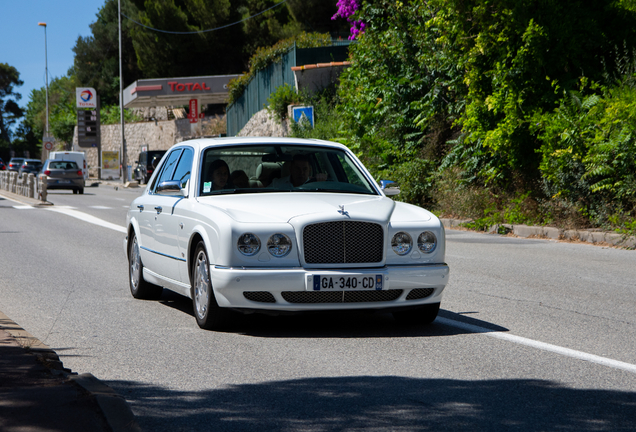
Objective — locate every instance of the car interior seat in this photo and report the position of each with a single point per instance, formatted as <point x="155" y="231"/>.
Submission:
<point x="266" y="172"/>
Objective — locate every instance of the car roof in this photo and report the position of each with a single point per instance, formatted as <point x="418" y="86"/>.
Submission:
<point x="201" y="143"/>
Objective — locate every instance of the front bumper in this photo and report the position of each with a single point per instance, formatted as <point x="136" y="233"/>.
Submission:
<point x="231" y="284"/>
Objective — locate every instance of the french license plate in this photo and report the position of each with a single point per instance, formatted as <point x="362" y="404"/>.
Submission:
<point x="63" y="181"/>
<point x="348" y="282"/>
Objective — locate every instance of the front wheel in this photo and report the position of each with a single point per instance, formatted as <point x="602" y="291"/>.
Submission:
<point x="207" y="312"/>
<point x="422" y="315"/>
<point x="139" y="288"/>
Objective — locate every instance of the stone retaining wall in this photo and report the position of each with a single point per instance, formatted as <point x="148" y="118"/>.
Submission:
<point x="159" y="135"/>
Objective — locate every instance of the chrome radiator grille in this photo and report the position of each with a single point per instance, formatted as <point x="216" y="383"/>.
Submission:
<point x="343" y="242"/>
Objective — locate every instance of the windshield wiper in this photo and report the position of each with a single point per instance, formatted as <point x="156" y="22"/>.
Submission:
<point x="332" y="191"/>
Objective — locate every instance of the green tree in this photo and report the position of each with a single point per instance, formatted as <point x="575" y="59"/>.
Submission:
<point x="10" y="111"/>
<point x="161" y="54"/>
<point x="96" y="61"/>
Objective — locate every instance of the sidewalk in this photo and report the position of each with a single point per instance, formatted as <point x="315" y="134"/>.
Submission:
<point x="38" y="394"/>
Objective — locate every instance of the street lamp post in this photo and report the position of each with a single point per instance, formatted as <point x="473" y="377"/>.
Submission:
<point x="121" y="104"/>
<point x="46" y="73"/>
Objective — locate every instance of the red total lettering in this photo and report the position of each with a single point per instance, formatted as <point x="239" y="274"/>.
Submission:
<point x="180" y="87"/>
<point x="172" y="84"/>
<point x="205" y="87"/>
<point x="196" y="87"/>
<point x="189" y="86"/>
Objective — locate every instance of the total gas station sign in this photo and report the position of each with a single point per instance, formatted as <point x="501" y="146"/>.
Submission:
<point x="85" y="97"/>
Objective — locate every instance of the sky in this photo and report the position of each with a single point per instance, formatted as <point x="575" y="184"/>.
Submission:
<point x="22" y="40"/>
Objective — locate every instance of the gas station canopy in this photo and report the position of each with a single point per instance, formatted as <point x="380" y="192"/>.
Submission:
<point x="178" y="91"/>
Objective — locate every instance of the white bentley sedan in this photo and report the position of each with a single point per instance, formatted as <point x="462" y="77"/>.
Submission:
<point x="279" y="224"/>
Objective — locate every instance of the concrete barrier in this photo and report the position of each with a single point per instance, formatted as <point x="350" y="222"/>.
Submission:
<point x="27" y="185"/>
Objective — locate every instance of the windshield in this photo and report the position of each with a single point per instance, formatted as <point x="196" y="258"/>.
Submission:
<point x="280" y="168"/>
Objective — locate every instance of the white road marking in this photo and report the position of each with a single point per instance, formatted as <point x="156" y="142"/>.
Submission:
<point x="100" y="207"/>
<point x="23" y="207"/>
<point x="88" y="218"/>
<point x="540" y="345"/>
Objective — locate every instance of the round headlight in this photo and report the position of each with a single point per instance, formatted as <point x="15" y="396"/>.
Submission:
<point x="427" y="242"/>
<point x="248" y="244"/>
<point x="279" y="245"/>
<point x="401" y="243"/>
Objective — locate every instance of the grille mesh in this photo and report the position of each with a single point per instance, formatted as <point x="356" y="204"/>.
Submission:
<point x="338" y="297"/>
<point x="259" y="296"/>
<point x="420" y="293"/>
<point x="343" y="242"/>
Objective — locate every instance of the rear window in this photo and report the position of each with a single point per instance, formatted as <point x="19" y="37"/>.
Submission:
<point x="63" y="165"/>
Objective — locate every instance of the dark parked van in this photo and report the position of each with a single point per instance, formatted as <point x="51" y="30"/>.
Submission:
<point x="146" y="165"/>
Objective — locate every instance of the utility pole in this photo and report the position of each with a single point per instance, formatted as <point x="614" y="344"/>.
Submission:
<point x="124" y="159"/>
<point x="46" y="77"/>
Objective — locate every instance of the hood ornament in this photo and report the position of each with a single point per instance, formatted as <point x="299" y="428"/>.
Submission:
<point x="342" y="211"/>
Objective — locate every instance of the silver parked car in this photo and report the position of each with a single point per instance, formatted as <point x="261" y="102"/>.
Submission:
<point x="61" y="174"/>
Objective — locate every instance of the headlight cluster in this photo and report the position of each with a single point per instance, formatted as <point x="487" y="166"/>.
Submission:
<point x="402" y="243"/>
<point x="278" y="245"/>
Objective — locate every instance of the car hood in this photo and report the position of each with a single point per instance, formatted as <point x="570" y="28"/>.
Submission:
<point x="284" y="207"/>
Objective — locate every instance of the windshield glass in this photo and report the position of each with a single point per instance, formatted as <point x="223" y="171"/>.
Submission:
<point x="280" y="168"/>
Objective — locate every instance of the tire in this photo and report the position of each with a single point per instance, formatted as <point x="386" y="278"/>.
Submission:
<point x="422" y="315"/>
<point x="139" y="288"/>
<point x="81" y="191"/>
<point x="75" y="191"/>
<point x="207" y="312"/>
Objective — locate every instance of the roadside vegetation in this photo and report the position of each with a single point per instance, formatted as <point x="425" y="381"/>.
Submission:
<point x="499" y="111"/>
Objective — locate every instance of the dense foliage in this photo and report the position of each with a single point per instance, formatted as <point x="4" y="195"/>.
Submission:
<point x="480" y="91"/>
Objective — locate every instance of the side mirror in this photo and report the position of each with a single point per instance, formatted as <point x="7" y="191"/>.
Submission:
<point x="172" y="188"/>
<point x="389" y="191"/>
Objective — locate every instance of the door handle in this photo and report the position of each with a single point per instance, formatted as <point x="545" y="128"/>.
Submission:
<point x="158" y="208"/>
<point x="140" y="207"/>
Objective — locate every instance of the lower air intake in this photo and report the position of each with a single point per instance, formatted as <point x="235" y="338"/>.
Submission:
<point x="259" y="296"/>
<point x="420" y="293"/>
<point x="341" y="296"/>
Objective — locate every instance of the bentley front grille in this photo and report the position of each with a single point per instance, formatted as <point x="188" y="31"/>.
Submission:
<point x="420" y="293"/>
<point x="343" y="242"/>
<point x="341" y="296"/>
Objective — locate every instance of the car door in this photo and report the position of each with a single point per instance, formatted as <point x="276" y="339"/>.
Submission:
<point x="150" y="209"/>
<point x="166" y="222"/>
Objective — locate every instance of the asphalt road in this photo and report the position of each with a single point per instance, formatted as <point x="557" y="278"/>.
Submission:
<point x="534" y="335"/>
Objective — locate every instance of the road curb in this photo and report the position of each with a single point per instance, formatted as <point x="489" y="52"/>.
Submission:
<point x="598" y="237"/>
<point x="23" y="199"/>
<point x="114" y="407"/>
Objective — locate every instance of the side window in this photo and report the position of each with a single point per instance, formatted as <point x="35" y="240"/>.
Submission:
<point x="184" y="167"/>
<point x="168" y="168"/>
